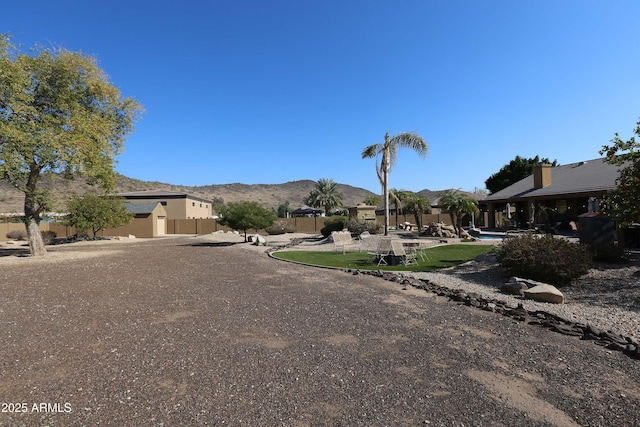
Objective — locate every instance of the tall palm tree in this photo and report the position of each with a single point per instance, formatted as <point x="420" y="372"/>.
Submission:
<point x="458" y="205"/>
<point x="388" y="152"/>
<point x="325" y="194"/>
<point x="418" y="205"/>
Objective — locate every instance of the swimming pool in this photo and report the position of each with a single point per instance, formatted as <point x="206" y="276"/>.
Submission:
<point x="489" y="236"/>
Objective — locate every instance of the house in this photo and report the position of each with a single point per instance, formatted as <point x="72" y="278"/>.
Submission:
<point x="363" y="211"/>
<point x="553" y="195"/>
<point x="177" y="205"/>
<point x="307" y="211"/>
<point x="149" y="220"/>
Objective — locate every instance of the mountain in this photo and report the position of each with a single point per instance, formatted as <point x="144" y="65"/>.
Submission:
<point x="269" y="195"/>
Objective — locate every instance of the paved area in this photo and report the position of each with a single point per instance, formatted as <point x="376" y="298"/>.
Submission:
<point x="196" y="331"/>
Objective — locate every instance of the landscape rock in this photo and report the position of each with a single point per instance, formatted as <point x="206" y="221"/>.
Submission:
<point x="514" y="287"/>
<point x="545" y="293"/>
<point x="258" y="240"/>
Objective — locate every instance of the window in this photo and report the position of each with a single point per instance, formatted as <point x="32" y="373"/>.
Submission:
<point x="193" y="204"/>
<point x="163" y="203"/>
<point x="200" y="204"/>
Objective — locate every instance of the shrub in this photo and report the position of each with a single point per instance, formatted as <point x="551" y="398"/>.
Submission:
<point x="280" y="227"/>
<point x="359" y="226"/>
<point x="610" y="252"/>
<point x="545" y="259"/>
<point x="334" y="223"/>
<point x="48" y="236"/>
<point x="17" y="234"/>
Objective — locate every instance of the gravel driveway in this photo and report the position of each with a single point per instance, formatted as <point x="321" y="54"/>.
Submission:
<point x="190" y="331"/>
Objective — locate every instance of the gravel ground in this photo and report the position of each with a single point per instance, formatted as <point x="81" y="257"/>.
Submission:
<point x="205" y="331"/>
<point x="608" y="297"/>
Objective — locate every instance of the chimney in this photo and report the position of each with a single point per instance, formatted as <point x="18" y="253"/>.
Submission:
<point x="541" y="176"/>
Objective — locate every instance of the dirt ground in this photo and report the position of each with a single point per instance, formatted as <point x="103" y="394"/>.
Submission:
<point x="203" y="331"/>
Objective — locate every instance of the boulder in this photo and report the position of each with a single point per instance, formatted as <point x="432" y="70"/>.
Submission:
<point x="514" y="287"/>
<point x="545" y="293"/>
<point x="258" y="240"/>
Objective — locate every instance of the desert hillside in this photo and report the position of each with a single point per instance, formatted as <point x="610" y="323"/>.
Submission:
<point x="270" y="195"/>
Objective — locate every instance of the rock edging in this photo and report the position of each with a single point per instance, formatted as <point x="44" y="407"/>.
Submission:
<point x="607" y="339"/>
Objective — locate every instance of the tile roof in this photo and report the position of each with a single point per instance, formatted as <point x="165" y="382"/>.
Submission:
<point x="582" y="177"/>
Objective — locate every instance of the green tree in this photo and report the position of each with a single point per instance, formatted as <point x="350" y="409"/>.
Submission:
<point x="246" y="215"/>
<point x="398" y="197"/>
<point x="517" y="169"/>
<point x="95" y="213"/>
<point x="388" y="152"/>
<point x="417" y="205"/>
<point x="372" y="201"/>
<point x="324" y="195"/>
<point x="58" y="113"/>
<point x="458" y="205"/>
<point x="622" y="204"/>
<point x="284" y="210"/>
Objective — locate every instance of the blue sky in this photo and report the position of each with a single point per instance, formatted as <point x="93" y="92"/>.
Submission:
<point x="257" y="91"/>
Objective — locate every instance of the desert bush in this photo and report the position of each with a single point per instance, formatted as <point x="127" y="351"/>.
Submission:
<point x="334" y="223"/>
<point x="48" y="236"/>
<point x="545" y="259"/>
<point x="17" y="234"/>
<point x="359" y="226"/>
<point x="280" y="227"/>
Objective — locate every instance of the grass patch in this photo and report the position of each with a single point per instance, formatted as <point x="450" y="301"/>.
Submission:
<point x="438" y="257"/>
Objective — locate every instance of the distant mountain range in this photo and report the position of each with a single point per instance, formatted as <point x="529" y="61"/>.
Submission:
<point x="269" y="195"/>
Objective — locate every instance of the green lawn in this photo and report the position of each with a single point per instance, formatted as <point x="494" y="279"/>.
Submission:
<point x="438" y="257"/>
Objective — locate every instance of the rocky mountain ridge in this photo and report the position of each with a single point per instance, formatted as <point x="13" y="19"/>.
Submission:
<point x="269" y="195"/>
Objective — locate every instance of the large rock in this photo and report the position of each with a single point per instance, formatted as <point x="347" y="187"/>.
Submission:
<point x="515" y="286"/>
<point x="258" y="240"/>
<point x="545" y="293"/>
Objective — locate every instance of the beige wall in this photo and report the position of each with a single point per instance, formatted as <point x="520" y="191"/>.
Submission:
<point x="146" y="225"/>
<point x="181" y="208"/>
<point x="143" y="225"/>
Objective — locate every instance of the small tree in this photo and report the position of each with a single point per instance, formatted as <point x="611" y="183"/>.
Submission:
<point x="417" y="205"/>
<point x="58" y="113"/>
<point x="458" y="205"/>
<point x="399" y="196"/>
<point x="372" y="201"/>
<point x="246" y="215"/>
<point x="284" y="210"/>
<point x="95" y="213"/>
<point x="622" y="204"/>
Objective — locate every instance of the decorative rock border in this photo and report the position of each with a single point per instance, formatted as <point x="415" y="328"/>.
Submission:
<point x="607" y="339"/>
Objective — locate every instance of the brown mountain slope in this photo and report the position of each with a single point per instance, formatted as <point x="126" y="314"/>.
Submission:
<point x="269" y="195"/>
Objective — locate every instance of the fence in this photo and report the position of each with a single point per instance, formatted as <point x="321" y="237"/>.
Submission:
<point x="205" y="226"/>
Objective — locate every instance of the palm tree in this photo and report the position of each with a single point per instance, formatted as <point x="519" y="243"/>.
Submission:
<point x="325" y="194"/>
<point x="418" y="205"/>
<point x="388" y="151"/>
<point x="458" y="205"/>
<point x="398" y="197"/>
<point x="372" y="201"/>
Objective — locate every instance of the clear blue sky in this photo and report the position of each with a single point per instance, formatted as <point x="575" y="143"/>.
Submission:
<point x="274" y="91"/>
